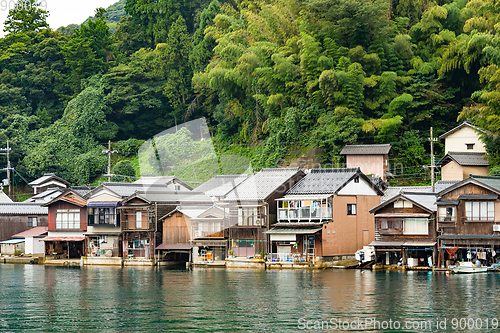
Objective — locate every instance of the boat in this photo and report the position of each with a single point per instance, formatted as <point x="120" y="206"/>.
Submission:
<point x="467" y="267"/>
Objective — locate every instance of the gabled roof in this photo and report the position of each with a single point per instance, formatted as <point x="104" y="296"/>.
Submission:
<point x="382" y="149"/>
<point x="45" y="195"/>
<point x="261" y="185"/>
<point x="175" y="198"/>
<point x="424" y="200"/>
<point x="80" y="201"/>
<point x="221" y="185"/>
<point x="491" y="183"/>
<point x="36" y="231"/>
<point x="124" y="190"/>
<point x="162" y="180"/>
<point x="327" y="181"/>
<point x="81" y="190"/>
<point x="465" y="159"/>
<point x="191" y="212"/>
<point x="48" y="177"/>
<point x="4" y="197"/>
<point x="23" y="208"/>
<point x="136" y="196"/>
<point x="462" y="125"/>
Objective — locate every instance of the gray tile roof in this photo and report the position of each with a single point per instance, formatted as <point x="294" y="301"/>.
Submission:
<point x="81" y="190"/>
<point x="323" y="181"/>
<point x="173" y="197"/>
<point x="423" y="198"/>
<point x="221" y="185"/>
<point x="465" y="159"/>
<point x="391" y="192"/>
<point x="47" y="177"/>
<point x="22" y="208"/>
<point x="462" y="125"/>
<point x="382" y="149"/>
<point x="262" y="184"/>
<point x="490" y="181"/>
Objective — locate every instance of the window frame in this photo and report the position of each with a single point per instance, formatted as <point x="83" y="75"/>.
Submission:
<point x="350" y="210"/>
<point x="483" y="211"/>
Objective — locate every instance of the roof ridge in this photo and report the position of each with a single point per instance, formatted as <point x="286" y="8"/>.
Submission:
<point x="335" y="170"/>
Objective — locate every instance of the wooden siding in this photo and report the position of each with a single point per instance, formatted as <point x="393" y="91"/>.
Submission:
<point x="14" y="224"/>
<point x="176" y="229"/>
<point x="66" y="205"/>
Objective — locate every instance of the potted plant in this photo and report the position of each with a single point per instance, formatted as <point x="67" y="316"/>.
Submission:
<point x="231" y="253"/>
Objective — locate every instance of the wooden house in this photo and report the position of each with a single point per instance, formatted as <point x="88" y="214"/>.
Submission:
<point x="325" y="215"/>
<point x="252" y="208"/>
<point x="48" y="180"/>
<point x="67" y="224"/>
<point x="16" y="217"/>
<point x="371" y="159"/>
<point x="468" y="220"/>
<point x="405" y="229"/>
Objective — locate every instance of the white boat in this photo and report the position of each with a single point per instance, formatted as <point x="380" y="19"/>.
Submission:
<point x="467" y="267"/>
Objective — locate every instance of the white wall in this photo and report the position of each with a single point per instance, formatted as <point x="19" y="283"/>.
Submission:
<point x="34" y="245"/>
<point x="361" y="188"/>
<point x="457" y="141"/>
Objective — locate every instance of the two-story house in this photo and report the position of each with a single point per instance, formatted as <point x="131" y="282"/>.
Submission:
<point x="371" y="159"/>
<point x="67" y="224"/>
<point x="251" y="209"/>
<point x="468" y="220"/>
<point x="405" y="229"/>
<point x="325" y="215"/>
<point x="464" y="153"/>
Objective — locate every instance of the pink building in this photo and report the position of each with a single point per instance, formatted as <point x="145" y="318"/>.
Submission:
<point x="372" y="159"/>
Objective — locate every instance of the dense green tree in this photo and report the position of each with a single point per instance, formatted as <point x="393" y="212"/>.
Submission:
<point x="26" y="16"/>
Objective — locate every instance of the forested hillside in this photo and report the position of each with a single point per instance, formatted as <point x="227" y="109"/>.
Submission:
<point x="273" y="79"/>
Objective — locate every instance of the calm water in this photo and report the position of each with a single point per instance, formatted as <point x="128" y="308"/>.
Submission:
<point x="150" y="299"/>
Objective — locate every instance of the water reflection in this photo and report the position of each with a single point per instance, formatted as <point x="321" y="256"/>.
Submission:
<point x="144" y="299"/>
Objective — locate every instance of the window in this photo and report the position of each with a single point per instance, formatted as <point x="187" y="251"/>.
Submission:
<point x="470" y="146"/>
<point x="67" y="219"/>
<point x="102" y="216"/>
<point x="177" y="187"/>
<point x="248" y="217"/>
<point x="32" y="222"/>
<point x="351" y="209"/>
<point x="356" y="180"/>
<point x="446" y="214"/>
<point x="138" y="220"/>
<point x="416" y="226"/>
<point x="402" y="204"/>
<point x="390" y="224"/>
<point x="480" y="210"/>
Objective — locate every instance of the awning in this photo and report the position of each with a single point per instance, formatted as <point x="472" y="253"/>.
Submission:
<point x="304" y="197"/>
<point x="441" y="203"/>
<point x="474" y="197"/>
<point x="469" y="237"/>
<point x="386" y="244"/>
<point x="104" y="204"/>
<point x="12" y="241"/>
<point x="293" y="231"/>
<point x="102" y="233"/>
<point x="174" y="247"/>
<point x="403" y="215"/>
<point x="63" y="239"/>
<point x="419" y="244"/>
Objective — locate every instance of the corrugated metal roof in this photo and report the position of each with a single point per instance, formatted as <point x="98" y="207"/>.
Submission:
<point x="464" y="159"/>
<point x="23" y="208"/>
<point x="382" y="149"/>
<point x="323" y="181"/>
<point x="462" y="125"/>
<point x="262" y="184"/>
<point x="403" y="215"/>
<point x="12" y="241"/>
<point x="36" y="231"/>
<point x="221" y="185"/>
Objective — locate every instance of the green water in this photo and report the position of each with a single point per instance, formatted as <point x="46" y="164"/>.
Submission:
<point x="111" y="299"/>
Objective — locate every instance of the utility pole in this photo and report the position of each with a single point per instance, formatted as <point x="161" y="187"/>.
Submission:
<point x="7" y="152"/>
<point x="109" y="152"/>
<point x="432" y="166"/>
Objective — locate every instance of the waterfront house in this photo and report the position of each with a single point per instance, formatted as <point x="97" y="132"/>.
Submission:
<point x="465" y="153"/>
<point x="16" y="217"/>
<point x="251" y="209"/>
<point x="468" y="220"/>
<point x="12" y="247"/>
<point x="325" y="215"/>
<point x="33" y="240"/>
<point x="371" y="159"/>
<point x="405" y="229"/>
<point x="67" y="224"/>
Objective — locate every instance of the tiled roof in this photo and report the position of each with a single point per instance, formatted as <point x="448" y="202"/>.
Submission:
<point x="462" y="125"/>
<point x="424" y="199"/>
<point x="490" y="181"/>
<point x="383" y="149"/>
<point x="22" y="208"/>
<point x="323" y="181"/>
<point x="173" y="197"/>
<point x="81" y="190"/>
<point x="36" y="231"/>
<point x="391" y="192"/>
<point x="161" y="180"/>
<point x="220" y="185"/>
<point x="262" y="184"/>
<point x="47" y="177"/>
<point x="465" y="159"/>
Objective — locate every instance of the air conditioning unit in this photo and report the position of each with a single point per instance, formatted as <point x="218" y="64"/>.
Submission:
<point x="496" y="227"/>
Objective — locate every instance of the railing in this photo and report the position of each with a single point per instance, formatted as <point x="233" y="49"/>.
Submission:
<point x="304" y="213"/>
<point x="131" y="225"/>
<point x="103" y="219"/>
<point x="286" y="257"/>
<point x="446" y="218"/>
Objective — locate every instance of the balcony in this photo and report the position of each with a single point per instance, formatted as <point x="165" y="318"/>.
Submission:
<point x="111" y="220"/>
<point x="304" y="214"/>
<point x="133" y="225"/>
